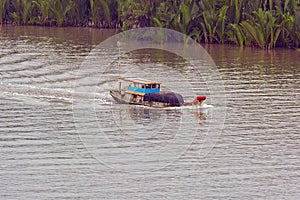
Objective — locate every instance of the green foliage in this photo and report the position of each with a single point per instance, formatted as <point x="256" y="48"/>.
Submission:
<point x="96" y="6"/>
<point x="157" y="21"/>
<point x="236" y="34"/>
<point x="255" y="32"/>
<point x="221" y="22"/>
<point x="16" y="18"/>
<point x="59" y="12"/>
<point x="26" y="10"/>
<point x="2" y="9"/>
<point x="59" y="9"/>
<point x="43" y="7"/>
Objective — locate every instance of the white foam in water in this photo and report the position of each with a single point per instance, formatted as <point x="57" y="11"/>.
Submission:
<point x="103" y="98"/>
<point x="36" y="92"/>
<point x="206" y="106"/>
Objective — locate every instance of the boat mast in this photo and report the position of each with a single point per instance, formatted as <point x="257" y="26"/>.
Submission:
<point x="119" y="73"/>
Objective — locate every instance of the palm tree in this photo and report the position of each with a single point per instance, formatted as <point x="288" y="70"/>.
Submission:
<point x="96" y="6"/>
<point x="2" y="10"/>
<point x="43" y="6"/>
<point x="59" y="10"/>
<point x="27" y="6"/>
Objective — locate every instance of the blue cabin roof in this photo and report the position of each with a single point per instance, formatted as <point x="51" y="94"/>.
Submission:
<point x="142" y="90"/>
<point x="142" y="86"/>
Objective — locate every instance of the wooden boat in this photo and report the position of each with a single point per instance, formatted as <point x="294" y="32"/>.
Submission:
<point x="147" y="93"/>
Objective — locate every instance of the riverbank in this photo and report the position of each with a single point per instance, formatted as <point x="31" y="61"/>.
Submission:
<point x="97" y="30"/>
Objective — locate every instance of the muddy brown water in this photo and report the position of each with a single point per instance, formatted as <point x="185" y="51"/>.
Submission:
<point x="43" y="155"/>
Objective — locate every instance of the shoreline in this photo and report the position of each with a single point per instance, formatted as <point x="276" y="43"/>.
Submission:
<point x="118" y="30"/>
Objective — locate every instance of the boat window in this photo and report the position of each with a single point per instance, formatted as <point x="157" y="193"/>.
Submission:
<point x="143" y="86"/>
<point x="148" y="87"/>
<point x="153" y="85"/>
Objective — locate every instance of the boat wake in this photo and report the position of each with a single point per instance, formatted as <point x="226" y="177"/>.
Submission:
<point x="206" y="106"/>
<point x="202" y="107"/>
<point x="62" y="95"/>
<point x="191" y="107"/>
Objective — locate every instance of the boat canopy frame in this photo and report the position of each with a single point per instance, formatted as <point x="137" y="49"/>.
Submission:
<point x="139" y="81"/>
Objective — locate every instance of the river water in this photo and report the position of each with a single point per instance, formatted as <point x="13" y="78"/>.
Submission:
<point x="50" y="148"/>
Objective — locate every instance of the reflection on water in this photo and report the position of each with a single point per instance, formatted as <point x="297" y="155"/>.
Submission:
<point x="44" y="155"/>
<point x="151" y="117"/>
<point x="245" y="57"/>
<point x="142" y="115"/>
<point x="64" y="35"/>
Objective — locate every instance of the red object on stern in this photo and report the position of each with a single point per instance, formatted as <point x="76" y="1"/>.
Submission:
<point x="200" y="98"/>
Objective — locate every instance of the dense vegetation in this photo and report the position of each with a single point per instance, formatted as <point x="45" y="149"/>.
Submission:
<point x="262" y="23"/>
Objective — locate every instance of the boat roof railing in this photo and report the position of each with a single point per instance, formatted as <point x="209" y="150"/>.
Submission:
<point x="138" y="80"/>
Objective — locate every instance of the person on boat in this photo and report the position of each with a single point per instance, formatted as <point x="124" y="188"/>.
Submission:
<point x="197" y="101"/>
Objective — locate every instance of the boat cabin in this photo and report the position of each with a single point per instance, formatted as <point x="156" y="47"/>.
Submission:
<point x="148" y="93"/>
<point x="141" y="87"/>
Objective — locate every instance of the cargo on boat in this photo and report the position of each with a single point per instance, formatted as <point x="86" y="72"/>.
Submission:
<point x="148" y="93"/>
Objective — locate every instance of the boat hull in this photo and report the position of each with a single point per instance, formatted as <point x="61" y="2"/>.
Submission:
<point x="130" y="99"/>
<point x="127" y="99"/>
